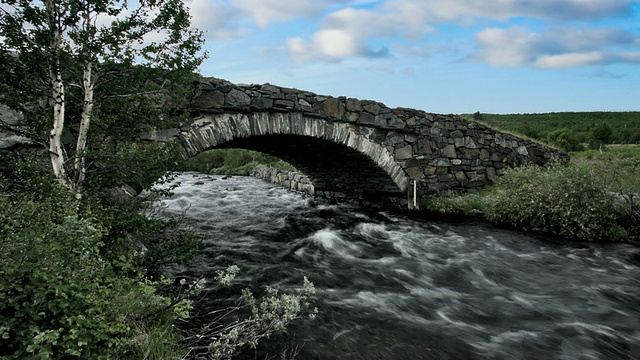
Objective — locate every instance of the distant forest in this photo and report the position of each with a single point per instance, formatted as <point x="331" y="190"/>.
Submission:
<point x="571" y="131"/>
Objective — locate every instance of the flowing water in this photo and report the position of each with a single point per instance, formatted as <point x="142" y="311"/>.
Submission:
<point x="394" y="287"/>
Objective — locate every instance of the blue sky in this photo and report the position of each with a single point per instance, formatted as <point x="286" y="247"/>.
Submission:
<point x="444" y="56"/>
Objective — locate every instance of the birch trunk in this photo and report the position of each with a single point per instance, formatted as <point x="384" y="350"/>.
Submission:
<point x="55" y="136"/>
<point x="85" y="121"/>
<point x="58" y="93"/>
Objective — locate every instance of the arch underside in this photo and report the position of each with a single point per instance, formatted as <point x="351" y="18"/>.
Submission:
<point x="330" y="167"/>
<point x="335" y="156"/>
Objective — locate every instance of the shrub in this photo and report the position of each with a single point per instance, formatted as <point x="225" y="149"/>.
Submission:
<point x="454" y="203"/>
<point x="571" y="201"/>
<point x="68" y="286"/>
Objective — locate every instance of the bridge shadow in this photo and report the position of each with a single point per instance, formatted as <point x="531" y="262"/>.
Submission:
<point x="334" y="169"/>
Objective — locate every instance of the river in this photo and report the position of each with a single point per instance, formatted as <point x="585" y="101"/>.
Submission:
<point x="391" y="286"/>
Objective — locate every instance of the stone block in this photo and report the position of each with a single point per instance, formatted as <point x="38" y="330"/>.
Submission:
<point x="366" y="118"/>
<point x="449" y="151"/>
<point x="262" y="102"/>
<point x="446" y="178"/>
<point x="304" y="105"/>
<point x="371" y="107"/>
<point x="404" y="153"/>
<point x="269" y="89"/>
<point x="484" y="155"/>
<point x="423" y="146"/>
<point x="415" y="172"/>
<point x="237" y="98"/>
<point x="394" y="138"/>
<point x="457" y="134"/>
<point x="429" y="170"/>
<point x="469" y="143"/>
<point x="351" y="116"/>
<point x="334" y="108"/>
<point x="460" y="176"/>
<point x="209" y="99"/>
<point x="354" y="105"/>
<point x="283" y="104"/>
<point x="9" y="116"/>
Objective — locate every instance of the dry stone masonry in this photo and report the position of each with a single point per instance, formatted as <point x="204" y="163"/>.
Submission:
<point x="292" y="180"/>
<point x="352" y="148"/>
<point x="348" y="148"/>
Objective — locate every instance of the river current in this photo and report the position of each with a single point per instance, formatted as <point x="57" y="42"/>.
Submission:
<point x="391" y="286"/>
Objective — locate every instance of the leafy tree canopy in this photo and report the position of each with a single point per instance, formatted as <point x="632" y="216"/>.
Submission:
<point x="88" y="71"/>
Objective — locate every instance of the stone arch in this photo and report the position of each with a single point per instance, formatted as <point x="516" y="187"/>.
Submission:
<point x="374" y="169"/>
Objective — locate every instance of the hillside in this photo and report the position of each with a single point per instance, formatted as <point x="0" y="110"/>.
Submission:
<point x="550" y="127"/>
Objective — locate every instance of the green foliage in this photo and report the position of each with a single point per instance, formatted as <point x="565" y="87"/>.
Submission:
<point x="575" y="202"/>
<point x="72" y="281"/>
<point x="453" y="203"/>
<point x="620" y="153"/>
<point x="105" y="81"/>
<point x="55" y="291"/>
<point x="76" y="280"/>
<point x="134" y="164"/>
<point x="565" y="139"/>
<point x="232" y="162"/>
<point x="625" y="125"/>
<point x="261" y="318"/>
<point x="601" y="134"/>
<point x="595" y="198"/>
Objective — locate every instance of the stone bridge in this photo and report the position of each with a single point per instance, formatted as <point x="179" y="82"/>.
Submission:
<point x="349" y="148"/>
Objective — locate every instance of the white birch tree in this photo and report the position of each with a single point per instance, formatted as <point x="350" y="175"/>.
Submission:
<point x="51" y="48"/>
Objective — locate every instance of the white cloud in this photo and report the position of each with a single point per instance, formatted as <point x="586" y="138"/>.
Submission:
<point x="510" y="47"/>
<point x="216" y="18"/>
<point x="570" y="60"/>
<point x="469" y="10"/>
<point x="555" y="49"/>
<point x="331" y="45"/>
<point x="265" y="12"/>
<point x="346" y="32"/>
<point x="584" y="59"/>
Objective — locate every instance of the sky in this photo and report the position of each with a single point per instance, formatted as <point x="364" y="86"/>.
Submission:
<point x="443" y="56"/>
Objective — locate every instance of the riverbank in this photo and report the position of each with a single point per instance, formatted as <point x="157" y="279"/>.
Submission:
<point x="593" y="199"/>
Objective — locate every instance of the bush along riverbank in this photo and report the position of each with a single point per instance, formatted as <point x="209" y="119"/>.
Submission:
<point x="594" y="200"/>
<point x="239" y="162"/>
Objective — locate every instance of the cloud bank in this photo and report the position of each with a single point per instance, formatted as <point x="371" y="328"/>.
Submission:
<point x="342" y="29"/>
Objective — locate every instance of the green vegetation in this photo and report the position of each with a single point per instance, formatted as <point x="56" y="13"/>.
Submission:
<point x="571" y="131"/>
<point x="594" y="198"/>
<point x="80" y="269"/>
<point x="233" y="162"/>
<point x="73" y="282"/>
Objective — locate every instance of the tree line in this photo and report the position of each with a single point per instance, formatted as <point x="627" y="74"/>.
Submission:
<point x="571" y="131"/>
